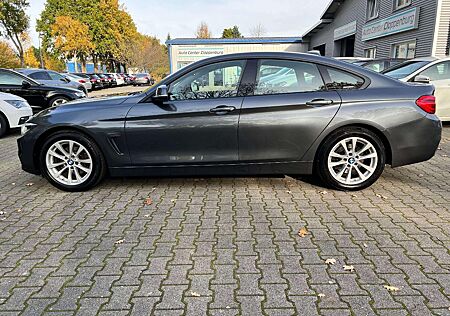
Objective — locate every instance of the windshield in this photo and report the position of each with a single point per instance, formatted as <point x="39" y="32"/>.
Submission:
<point x="403" y="70"/>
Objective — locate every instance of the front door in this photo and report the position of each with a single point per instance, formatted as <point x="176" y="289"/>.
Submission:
<point x="198" y="125"/>
<point x="290" y="107"/>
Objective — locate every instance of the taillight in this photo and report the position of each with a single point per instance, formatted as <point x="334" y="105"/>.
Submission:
<point x="427" y="103"/>
<point x="81" y="81"/>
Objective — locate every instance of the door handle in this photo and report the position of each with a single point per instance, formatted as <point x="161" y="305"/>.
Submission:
<point x="319" y="102"/>
<point x="222" y="109"/>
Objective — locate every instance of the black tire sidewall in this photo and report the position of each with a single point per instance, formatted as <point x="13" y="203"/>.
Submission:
<point x="3" y="125"/>
<point x="97" y="158"/>
<point x="322" y="161"/>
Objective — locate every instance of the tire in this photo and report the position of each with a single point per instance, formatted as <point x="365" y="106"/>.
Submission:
<point x="3" y="125"/>
<point x="81" y="180"/>
<point x="342" y="169"/>
<point x="57" y="101"/>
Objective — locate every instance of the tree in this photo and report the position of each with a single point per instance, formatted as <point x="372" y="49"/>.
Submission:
<point x="30" y="58"/>
<point x="72" y="39"/>
<point x="8" y="58"/>
<point x="258" y="30"/>
<point x="232" y="32"/>
<point x="14" y="22"/>
<point x="203" y="31"/>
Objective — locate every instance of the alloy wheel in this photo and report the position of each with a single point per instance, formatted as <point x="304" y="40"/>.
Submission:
<point x="68" y="162"/>
<point x="59" y="102"/>
<point x="352" y="160"/>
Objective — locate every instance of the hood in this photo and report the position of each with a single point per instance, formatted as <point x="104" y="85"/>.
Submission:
<point x="8" y="96"/>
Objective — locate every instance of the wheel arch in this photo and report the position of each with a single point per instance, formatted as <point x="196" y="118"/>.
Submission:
<point x="6" y="119"/>
<point x="377" y="131"/>
<point x="41" y="140"/>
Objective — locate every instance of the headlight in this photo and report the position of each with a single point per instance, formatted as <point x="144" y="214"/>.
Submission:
<point x="18" y="103"/>
<point x="80" y="94"/>
<point x="26" y="127"/>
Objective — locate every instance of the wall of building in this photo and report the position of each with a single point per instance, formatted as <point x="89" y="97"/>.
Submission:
<point x="355" y="10"/>
<point x="181" y="55"/>
<point x="442" y="38"/>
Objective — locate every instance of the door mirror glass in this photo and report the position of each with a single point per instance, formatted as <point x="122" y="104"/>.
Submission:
<point x="422" y="79"/>
<point x="25" y="84"/>
<point x="161" y="94"/>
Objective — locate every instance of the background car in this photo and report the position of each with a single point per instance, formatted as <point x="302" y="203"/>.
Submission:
<point x="105" y="80"/>
<point x="112" y="80"/>
<point x="380" y="64"/>
<point x="142" y="79"/>
<point x="39" y="96"/>
<point x="51" y="78"/>
<point x="340" y="122"/>
<point x="14" y="111"/>
<point x="119" y="79"/>
<point x="84" y="81"/>
<point x="425" y="70"/>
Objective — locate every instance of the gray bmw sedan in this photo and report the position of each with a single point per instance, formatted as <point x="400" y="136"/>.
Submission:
<point x="252" y="113"/>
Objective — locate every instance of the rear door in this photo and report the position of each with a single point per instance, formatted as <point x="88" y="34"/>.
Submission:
<point x="288" y="110"/>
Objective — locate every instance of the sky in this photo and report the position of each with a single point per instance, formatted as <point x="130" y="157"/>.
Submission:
<point x="180" y="18"/>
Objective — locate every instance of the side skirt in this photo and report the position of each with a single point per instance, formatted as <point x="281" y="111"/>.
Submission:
<point x="280" y="168"/>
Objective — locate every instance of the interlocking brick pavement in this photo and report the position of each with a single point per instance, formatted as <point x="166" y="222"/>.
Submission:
<point x="225" y="246"/>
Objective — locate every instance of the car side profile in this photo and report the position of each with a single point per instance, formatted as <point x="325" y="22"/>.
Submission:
<point x="219" y="116"/>
<point x="39" y="96"/>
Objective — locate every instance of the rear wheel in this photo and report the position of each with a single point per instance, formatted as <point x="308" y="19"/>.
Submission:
<point x="72" y="162"/>
<point x="352" y="158"/>
<point x="3" y="125"/>
<point x="57" y="101"/>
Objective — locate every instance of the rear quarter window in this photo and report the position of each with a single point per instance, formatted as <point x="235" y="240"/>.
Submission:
<point x="342" y="80"/>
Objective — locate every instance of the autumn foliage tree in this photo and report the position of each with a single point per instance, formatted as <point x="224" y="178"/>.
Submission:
<point x="72" y="39"/>
<point x="148" y="55"/>
<point x="8" y="58"/>
<point x="14" y="22"/>
<point x="203" y="31"/>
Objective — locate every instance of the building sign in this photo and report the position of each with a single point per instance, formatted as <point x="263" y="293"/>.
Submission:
<point x="404" y="21"/>
<point x="344" y="31"/>
<point x="195" y="52"/>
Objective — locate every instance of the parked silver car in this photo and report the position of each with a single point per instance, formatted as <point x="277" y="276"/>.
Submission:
<point x="84" y="81"/>
<point x="142" y="79"/>
<point x="51" y="78"/>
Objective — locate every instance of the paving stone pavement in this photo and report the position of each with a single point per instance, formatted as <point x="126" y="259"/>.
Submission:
<point x="225" y="246"/>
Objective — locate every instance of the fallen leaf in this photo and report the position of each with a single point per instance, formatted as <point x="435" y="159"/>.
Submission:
<point x="19" y="210"/>
<point x="444" y="155"/>
<point x="381" y="196"/>
<point x="195" y="294"/>
<point x="13" y="183"/>
<point x="289" y="192"/>
<point x="391" y="288"/>
<point x="365" y="245"/>
<point x="29" y="184"/>
<point x="148" y="201"/>
<point x="321" y="295"/>
<point x="119" y="242"/>
<point x="147" y="215"/>
<point x="330" y="261"/>
<point x="228" y="307"/>
<point x="173" y="200"/>
<point x="303" y="232"/>
<point x="439" y="148"/>
<point x="330" y="282"/>
<point x="354" y="195"/>
<point x="349" y="268"/>
<point x="323" y="192"/>
<point x="2" y="213"/>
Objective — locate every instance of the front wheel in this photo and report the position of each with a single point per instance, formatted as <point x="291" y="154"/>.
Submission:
<point x="3" y="125"/>
<point x="72" y="162"/>
<point x="57" y="101"/>
<point x="351" y="159"/>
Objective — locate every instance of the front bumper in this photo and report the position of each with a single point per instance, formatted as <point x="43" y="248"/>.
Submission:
<point x="26" y="150"/>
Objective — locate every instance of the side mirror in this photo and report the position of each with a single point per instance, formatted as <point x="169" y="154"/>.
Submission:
<point x="65" y="79"/>
<point x="26" y="85"/>
<point x="422" y="79"/>
<point x="162" y="94"/>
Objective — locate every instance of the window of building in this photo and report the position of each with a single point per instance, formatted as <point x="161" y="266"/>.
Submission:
<point x="370" y="52"/>
<point x="343" y="80"/>
<point x="220" y="80"/>
<point x="285" y="76"/>
<point x="398" y="4"/>
<point x="404" y="50"/>
<point x="372" y="9"/>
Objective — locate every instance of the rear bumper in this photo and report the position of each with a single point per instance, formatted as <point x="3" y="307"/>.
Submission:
<point x="415" y="141"/>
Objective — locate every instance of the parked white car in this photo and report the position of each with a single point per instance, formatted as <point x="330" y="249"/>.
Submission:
<point x="14" y="111"/>
<point x="120" y="81"/>
<point x="428" y="70"/>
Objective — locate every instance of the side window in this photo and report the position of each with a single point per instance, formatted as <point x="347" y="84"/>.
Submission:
<point x="286" y="76"/>
<point x="7" y="78"/>
<point x="40" y="75"/>
<point x="439" y="71"/>
<point x="343" y="80"/>
<point x="55" y="75"/>
<point x="219" y="80"/>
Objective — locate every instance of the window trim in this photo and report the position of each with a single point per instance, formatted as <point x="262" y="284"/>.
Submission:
<point x="327" y="78"/>
<point x="367" y="11"/>
<point x="402" y="42"/>
<point x="372" y="47"/>
<point x="398" y="8"/>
